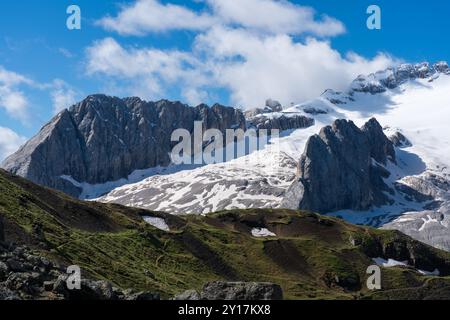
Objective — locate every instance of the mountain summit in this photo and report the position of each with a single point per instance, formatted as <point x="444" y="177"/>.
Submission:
<point x="343" y="168"/>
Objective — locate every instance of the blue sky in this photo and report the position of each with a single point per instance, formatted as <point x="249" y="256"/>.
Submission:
<point x="209" y="51"/>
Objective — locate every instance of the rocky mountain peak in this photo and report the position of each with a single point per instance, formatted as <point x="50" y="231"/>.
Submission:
<point x="105" y="138"/>
<point x="395" y="76"/>
<point x="273" y="105"/>
<point x="381" y="148"/>
<point x="337" y="169"/>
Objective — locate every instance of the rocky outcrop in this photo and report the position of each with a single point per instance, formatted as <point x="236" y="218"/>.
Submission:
<point x="381" y="148"/>
<point x="270" y="107"/>
<point x="398" y="247"/>
<point x="188" y="295"/>
<point x="431" y="227"/>
<point x="281" y="123"/>
<point x="220" y="290"/>
<point x="105" y="139"/>
<point x="242" y="291"/>
<point x="25" y="275"/>
<point x="274" y="105"/>
<point x="399" y="140"/>
<point x="270" y="118"/>
<point x="343" y="168"/>
<point x="314" y="111"/>
<point x="393" y="77"/>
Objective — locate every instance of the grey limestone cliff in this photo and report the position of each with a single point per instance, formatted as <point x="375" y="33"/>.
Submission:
<point x="105" y="139"/>
<point x="343" y="168"/>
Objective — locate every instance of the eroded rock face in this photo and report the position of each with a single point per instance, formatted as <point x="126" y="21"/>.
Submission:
<point x="105" y="139"/>
<point x="343" y="168"/>
<point x="381" y="148"/>
<point x="220" y="290"/>
<point x="399" y="140"/>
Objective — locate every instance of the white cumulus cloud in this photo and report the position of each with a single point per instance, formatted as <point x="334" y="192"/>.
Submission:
<point x="10" y="141"/>
<point x="275" y="17"/>
<point x="146" y="16"/>
<point x="12" y="98"/>
<point x="268" y="16"/>
<point x="249" y="49"/>
<point x="254" y="68"/>
<point x="249" y="67"/>
<point x="147" y="72"/>
<point x="15" y="87"/>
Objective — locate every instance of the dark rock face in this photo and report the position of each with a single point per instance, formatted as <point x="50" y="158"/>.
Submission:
<point x="417" y="254"/>
<point x="399" y="140"/>
<point x="381" y="148"/>
<point x="219" y="290"/>
<point x="314" y="111"/>
<point x="99" y="290"/>
<point x="25" y="275"/>
<point x="393" y="77"/>
<point x="281" y="123"/>
<point x="411" y="194"/>
<point x="273" y="105"/>
<point x="341" y="168"/>
<point x="270" y="107"/>
<point x="242" y="291"/>
<point x="188" y="295"/>
<point x="105" y="139"/>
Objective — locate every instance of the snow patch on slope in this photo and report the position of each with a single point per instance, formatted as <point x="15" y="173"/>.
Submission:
<point x="390" y="263"/>
<point x="262" y="233"/>
<point x="159" y="223"/>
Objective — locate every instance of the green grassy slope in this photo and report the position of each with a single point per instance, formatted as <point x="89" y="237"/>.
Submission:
<point x="312" y="257"/>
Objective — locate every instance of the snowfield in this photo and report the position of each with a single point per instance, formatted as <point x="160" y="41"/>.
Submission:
<point x="237" y="184"/>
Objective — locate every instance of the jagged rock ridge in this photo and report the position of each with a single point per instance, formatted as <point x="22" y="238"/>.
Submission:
<point x="343" y="168"/>
<point x="393" y="77"/>
<point x="385" y="80"/>
<point x="105" y="138"/>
